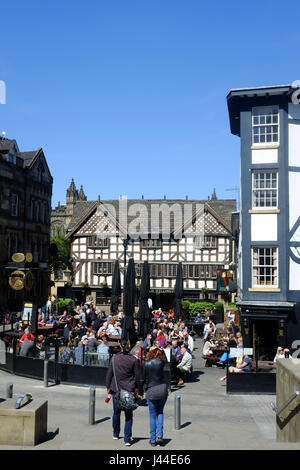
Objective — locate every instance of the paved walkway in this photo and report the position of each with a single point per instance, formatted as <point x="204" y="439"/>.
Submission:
<point x="210" y="419"/>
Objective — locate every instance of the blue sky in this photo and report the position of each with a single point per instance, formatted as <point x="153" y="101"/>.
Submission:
<point x="129" y="96"/>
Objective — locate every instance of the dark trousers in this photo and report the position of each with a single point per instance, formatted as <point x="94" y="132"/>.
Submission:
<point x="116" y="421"/>
<point x="179" y="374"/>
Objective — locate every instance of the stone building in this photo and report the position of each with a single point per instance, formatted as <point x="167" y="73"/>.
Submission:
<point x="25" y="204"/>
<point x="63" y="215"/>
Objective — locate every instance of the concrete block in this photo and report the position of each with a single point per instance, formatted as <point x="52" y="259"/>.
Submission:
<point x="287" y="383"/>
<point x="24" y="426"/>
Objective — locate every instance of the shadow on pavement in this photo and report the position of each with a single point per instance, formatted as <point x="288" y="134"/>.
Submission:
<point x="184" y="425"/>
<point x="107" y="418"/>
<point x="49" y="436"/>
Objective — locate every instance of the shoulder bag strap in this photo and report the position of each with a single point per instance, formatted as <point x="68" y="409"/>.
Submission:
<point x="114" y="371"/>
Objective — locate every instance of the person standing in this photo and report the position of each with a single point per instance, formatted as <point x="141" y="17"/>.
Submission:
<point x="48" y="308"/>
<point x="128" y="377"/>
<point x="156" y="393"/>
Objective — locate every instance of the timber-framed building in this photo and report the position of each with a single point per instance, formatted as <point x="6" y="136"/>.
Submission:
<point x="201" y="257"/>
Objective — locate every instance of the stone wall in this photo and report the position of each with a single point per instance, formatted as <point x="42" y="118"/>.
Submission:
<point x="287" y="383"/>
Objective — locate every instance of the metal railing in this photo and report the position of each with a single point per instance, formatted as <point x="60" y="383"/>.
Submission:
<point x="278" y="412"/>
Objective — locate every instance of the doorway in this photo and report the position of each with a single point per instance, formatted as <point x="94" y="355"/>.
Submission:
<point x="264" y="339"/>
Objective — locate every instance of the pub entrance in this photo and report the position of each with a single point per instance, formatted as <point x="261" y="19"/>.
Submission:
<point x="264" y="338"/>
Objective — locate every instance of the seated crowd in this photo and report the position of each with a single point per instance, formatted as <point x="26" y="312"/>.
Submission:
<point x="86" y="335"/>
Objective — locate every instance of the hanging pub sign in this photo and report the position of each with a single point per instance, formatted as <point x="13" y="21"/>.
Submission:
<point x="225" y="282"/>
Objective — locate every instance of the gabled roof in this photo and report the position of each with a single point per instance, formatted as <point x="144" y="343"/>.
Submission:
<point x="28" y="157"/>
<point x="6" y="144"/>
<point x="82" y="210"/>
<point x="221" y="210"/>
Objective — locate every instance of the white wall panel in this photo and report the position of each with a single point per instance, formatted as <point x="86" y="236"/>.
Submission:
<point x="263" y="227"/>
<point x="294" y="275"/>
<point x="294" y="197"/>
<point x="294" y="144"/>
<point x="264" y="156"/>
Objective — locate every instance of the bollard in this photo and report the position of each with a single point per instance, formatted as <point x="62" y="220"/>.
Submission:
<point x="46" y="363"/>
<point x="92" y="402"/>
<point x="177" y="411"/>
<point x="9" y="390"/>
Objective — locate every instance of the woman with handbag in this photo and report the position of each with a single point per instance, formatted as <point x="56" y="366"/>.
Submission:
<point x="156" y="393"/>
<point x="123" y="376"/>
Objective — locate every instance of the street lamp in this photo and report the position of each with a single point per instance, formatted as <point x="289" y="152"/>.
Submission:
<point x="125" y="244"/>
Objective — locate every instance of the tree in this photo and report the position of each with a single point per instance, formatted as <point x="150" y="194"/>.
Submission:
<point x="59" y="258"/>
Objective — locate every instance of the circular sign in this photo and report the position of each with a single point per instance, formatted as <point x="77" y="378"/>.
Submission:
<point x="18" y="257"/>
<point x="16" y="280"/>
<point x="28" y="257"/>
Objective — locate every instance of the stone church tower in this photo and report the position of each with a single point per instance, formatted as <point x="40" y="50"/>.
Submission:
<point x="61" y="216"/>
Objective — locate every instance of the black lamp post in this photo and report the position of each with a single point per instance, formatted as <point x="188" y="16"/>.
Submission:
<point x="125" y="244"/>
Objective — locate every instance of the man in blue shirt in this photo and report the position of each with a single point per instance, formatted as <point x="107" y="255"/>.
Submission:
<point x="198" y="319"/>
<point x="245" y="366"/>
<point x="51" y="321"/>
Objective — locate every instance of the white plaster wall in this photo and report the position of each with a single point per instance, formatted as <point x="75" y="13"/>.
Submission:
<point x="263" y="227"/>
<point x="89" y="266"/>
<point x="294" y="275"/>
<point x="294" y="198"/>
<point x="294" y="144"/>
<point x="264" y="156"/>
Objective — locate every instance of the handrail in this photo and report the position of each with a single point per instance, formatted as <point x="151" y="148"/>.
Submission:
<point x="286" y="404"/>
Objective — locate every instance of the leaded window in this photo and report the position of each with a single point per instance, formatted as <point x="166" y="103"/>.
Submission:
<point x="265" y="125"/>
<point x="97" y="242"/>
<point x="264" y="267"/>
<point x="264" y="189"/>
<point x="102" y="267"/>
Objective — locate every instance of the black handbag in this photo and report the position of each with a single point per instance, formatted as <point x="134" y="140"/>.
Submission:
<point x="125" y="400"/>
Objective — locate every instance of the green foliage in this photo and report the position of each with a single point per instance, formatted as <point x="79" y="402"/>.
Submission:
<point x="195" y="307"/>
<point x="219" y="306"/>
<point x="62" y="304"/>
<point x="62" y="259"/>
<point x="185" y="304"/>
<point x="231" y="305"/>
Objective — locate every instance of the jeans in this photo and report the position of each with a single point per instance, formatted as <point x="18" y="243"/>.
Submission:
<point x="156" y="416"/>
<point x="116" y="421"/>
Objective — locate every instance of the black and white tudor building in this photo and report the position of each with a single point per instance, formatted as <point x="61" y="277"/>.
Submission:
<point x="94" y="257"/>
<point x="267" y="120"/>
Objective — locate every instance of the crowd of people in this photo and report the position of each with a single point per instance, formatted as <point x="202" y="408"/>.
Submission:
<point x="84" y="331"/>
